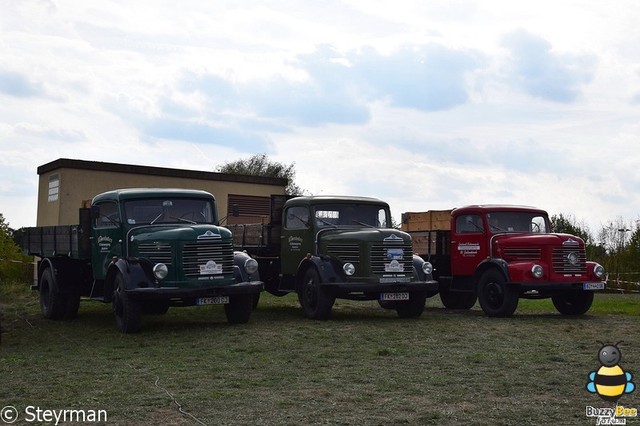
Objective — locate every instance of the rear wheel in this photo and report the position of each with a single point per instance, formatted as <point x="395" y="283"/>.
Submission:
<point x="238" y="310"/>
<point x="497" y="299"/>
<point x="125" y="309"/>
<point x="54" y="304"/>
<point x="573" y="302"/>
<point x="316" y="303"/>
<point x="457" y="299"/>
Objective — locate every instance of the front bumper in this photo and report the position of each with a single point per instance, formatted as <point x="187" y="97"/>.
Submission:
<point x="372" y="290"/>
<point x="549" y="287"/>
<point x="252" y="287"/>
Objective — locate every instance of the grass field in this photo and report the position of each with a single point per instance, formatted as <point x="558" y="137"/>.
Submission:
<point x="364" y="366"/>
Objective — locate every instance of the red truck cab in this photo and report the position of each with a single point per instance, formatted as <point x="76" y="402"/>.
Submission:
<point x="500" y="253"/>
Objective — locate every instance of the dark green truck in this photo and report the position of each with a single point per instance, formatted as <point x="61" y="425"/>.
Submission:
<point x="143" y="250"/>
<point x="323" y="248"/>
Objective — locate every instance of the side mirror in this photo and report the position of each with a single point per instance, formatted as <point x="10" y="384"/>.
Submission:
<point x="95" y="212"/>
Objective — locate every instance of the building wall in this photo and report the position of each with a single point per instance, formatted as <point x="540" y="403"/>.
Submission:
<point x="80" y="181"/>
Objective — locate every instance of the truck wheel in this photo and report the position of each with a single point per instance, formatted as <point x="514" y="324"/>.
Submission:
<point x="497" y="299"/>
<point x="125" y="308"/>
<point x="572" y="302"/>
<point x="316" y="303"/>
<point x="413" y="307"/>
<point x="154" y="307"/>
<point x="72" y="306"/>
<point x="239" y="308"/>
<point x="52" y="302"/>
<point x="457" y="299"/>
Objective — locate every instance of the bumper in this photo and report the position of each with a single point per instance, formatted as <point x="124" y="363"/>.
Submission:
<point x="543" y="287"/>
<point x="252" y="287"/>
<point x="346" y="288"/>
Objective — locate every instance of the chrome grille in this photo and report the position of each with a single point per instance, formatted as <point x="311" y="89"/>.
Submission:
<point x="522" y="253"/>
<point x="158" y="253"/>
<point x="345" y="252"/>
<point x="562" y="264"/>
<point x="379" y="257"/>
<point x="196" y="255"/>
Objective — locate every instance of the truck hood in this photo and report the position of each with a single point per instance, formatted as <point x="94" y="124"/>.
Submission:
<point x="537" y="240"/>
<point x="178" y="232"/>
<point x="328" y="236"/>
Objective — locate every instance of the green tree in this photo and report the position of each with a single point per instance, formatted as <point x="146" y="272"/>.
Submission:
<point x="12" y="261"/>
<point x="261" y="165"/>
<point x="568" y="225"/>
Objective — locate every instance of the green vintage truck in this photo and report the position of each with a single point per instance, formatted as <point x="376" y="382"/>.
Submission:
<point x="143" y="250"/>
<point x="324" y="248"/>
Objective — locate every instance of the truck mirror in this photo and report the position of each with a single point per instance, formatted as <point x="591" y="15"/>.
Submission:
<point x="95" y="212"/>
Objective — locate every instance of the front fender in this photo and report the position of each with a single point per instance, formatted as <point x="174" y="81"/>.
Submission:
<point x="325" y="267"/>
<point x="241" y="275"/>
<point x="417" y="269"/>
<point x="493" y="262"/>
<point x="136" y="274"/>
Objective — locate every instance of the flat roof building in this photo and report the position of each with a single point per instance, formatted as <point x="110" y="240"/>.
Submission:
<point x="65" y="185"/>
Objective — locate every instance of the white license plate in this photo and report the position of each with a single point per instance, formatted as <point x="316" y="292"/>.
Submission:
<point x="220" y="300"/>
<point x="394" y="296"/>
<point x="593" y="286"/>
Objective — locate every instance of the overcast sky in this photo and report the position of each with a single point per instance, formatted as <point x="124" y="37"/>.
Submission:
<point x="425" y="104"/>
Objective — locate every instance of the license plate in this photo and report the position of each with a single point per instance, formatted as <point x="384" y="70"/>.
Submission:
<point x="220" y="300"/>
<point x="593" y="286"/>
<point x="394" y="296"/>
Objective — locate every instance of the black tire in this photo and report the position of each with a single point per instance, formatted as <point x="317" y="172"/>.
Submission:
<point x="316" y="303"/>
<point x="125" y="309"/>
<point x="72" y="305"/>
<point x="52" y="303"/>
<point x="256" y="300"/>
<point x="572" y="302"/>
<point x="412" y="308"/>
<point x="497" y="299"/>
<point x="457" y="299"/>
<point x="238" y="310"/>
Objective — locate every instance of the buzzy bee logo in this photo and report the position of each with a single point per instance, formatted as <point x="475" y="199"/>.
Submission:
<point x="610" y="382"/>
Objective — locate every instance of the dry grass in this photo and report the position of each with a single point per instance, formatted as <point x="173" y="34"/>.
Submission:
<point x="365" y="366"/>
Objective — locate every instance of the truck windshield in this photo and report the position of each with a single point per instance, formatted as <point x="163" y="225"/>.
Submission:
<point x="168" y="210"/>
<point x="517" y="222"/>
<point x="352" y="215"/>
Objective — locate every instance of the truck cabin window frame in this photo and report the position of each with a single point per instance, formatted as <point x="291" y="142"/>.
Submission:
<point x="297" y="217"/>
<point x="469" y="224"/>
<point x="151" y="211"/>
<point x="108" y="215"/>
<point x="333" y="215"/>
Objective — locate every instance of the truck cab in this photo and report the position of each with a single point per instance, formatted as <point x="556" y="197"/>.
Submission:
<point x="331" y="247"/>
<point x="500" y="253"/>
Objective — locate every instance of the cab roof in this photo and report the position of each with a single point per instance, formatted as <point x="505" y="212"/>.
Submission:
<point x="489" y="208"/>
<point x="137" y="193"/>
<point x="338" y="199"/>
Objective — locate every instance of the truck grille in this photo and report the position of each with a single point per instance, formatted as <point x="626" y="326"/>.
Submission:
<point x="522" y="253"/>
<point x="157" y="253"/>
<point x="561" y="259"/>
<point x="195" y="256"/>
<point x="379" y="257"/>
<point x="345" y="252"/>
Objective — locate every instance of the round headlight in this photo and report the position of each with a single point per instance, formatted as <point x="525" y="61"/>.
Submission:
<point x="160" y="271"/>
<point x="537" y="271"/>
<point x="349" y="269"/>
<point x="427" y="268"/>
<point x="251" y="266"/>
<point x="598" y="271"/>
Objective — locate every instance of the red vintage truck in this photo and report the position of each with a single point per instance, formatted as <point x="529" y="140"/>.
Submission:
<point x="497" y="254"/>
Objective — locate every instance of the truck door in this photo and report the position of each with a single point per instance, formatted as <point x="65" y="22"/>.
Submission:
<point x="468" y="245"/>
<point x="296" y="239"/>
<point x="106" y="237"/>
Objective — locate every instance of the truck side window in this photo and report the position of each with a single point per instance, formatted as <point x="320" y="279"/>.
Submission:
<point x="297" y="218"/>
<point x="108" y="217"/>
<point x="469" y="224"/>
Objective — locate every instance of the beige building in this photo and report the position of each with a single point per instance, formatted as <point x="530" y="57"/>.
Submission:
<point x="65" y="185"/>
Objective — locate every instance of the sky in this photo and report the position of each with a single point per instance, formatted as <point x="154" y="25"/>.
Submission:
<point x="428" y="105"/>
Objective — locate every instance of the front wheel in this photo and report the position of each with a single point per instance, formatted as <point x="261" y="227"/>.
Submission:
<point x="125" y="309"/>
<point x="316" y="303"/>
<point x="456" y="299"/>
<point x="239" y="308"/>
<point x="413" y="307"/>
<point x="572" y="302"/>
<point x="497" y="298"/>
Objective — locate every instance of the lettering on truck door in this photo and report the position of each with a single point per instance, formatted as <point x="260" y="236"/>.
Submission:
<point x="468" y="247"/>
<point x="107" y="235"/>
<point x="296" y="239"/>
